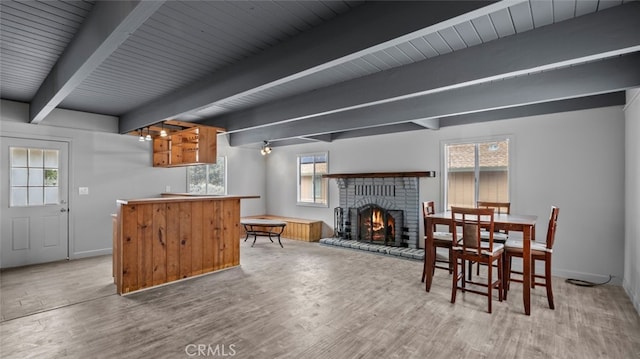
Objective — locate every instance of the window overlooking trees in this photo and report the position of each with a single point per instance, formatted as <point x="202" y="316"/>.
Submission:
<point x="476" y="171"/>
<point x="312" y="188"/>
<point x="208" y="179"/>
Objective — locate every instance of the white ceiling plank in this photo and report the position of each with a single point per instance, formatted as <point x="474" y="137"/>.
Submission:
<point x="106" y="27"/>
<point x="584" y="7"/>
<point x="422" y="45"/>
<point x="408" y="49"/>
<point x="596" y="36"/>
<point x="468" y="33"/>
<point x="438" y="43"/>
<point x="453" y="39"/>
<point x="563" y="10"/>
<point x="397" y="57"/>
<point x="522" y="17"/>
<point x="542" y="11"/>
<point x="502" y="23"/>
<point x="485" y="29"/>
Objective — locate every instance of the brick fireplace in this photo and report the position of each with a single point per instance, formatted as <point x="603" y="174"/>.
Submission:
<point x="379" y="208"/>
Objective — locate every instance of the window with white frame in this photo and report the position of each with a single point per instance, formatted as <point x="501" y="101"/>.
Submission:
<point x="34" y="176"/>
<point x="476" y="171"/>
<point x="312" y="188"/>
<point x="208" y="179"/>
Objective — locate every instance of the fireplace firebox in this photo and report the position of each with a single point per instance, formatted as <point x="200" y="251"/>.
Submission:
<point x="379" y="225"/>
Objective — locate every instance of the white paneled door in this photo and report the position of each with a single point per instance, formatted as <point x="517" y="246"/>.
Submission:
<point x="34" y="201"/>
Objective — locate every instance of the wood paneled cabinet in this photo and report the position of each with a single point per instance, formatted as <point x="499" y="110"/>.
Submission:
<point x="192" y="146"/>
<point x="162" y="240"/>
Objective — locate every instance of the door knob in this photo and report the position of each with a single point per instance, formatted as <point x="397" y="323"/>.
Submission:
<point x="63" y="209"/>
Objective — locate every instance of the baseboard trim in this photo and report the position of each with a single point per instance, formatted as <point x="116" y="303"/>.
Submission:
<point x="634" y="295"/>
<point x="563" y="273"/>
<point x="93" y="253"/>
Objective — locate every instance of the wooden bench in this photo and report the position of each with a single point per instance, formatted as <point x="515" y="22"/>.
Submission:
<point x="297" y="228"/>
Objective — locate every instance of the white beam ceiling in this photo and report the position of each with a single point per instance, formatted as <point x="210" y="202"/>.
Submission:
<point x="593" y="78"/>
<point x="491" y="57"/>
<point x="591" y="37"/>
<point x="329" y="44"/>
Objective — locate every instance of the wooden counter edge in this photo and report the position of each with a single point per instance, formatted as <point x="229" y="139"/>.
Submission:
<point x="174" y="197"/>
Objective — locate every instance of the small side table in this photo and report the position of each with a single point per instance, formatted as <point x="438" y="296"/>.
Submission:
<point x="263" y="227"/>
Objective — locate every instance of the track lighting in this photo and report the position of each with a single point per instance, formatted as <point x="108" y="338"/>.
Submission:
<point x="266" y="148"/>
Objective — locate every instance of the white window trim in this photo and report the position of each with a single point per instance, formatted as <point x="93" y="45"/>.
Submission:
<point x="443" y="164"/>
<point x="325" y="181"/>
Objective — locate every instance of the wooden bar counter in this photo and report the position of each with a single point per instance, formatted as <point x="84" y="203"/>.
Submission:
<point x="161" y="240"/>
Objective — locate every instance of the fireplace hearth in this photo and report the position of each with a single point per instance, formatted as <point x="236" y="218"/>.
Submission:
<point x="379" y="208"/>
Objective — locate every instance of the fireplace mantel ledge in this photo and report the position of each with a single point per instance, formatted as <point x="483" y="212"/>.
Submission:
<point x="380" y="174"/>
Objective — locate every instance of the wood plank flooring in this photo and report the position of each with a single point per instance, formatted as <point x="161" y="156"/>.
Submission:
<point x="305" y="300"/>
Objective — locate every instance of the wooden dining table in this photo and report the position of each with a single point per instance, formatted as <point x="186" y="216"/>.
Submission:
<point x="509" y="222"/>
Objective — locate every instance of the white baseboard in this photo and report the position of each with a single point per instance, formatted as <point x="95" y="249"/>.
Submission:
<point x="633" y="294"/>
<point x="563" y="273"/>
<point x="93" y="253"/>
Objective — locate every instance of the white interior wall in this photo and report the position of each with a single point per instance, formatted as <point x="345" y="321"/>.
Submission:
<point x="631" y="281"/>
<point x="115" y="166"/>
<point x="574" y="160"/>
<point x="245" y="176"/>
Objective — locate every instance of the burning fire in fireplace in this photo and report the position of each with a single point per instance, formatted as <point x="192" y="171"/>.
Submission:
<point x="376" y="224"/>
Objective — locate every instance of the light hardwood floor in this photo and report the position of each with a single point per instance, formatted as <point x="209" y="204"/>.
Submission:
<point x="302" y="301"/>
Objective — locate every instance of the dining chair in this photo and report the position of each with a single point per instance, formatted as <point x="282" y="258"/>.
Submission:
<point x="471" y="248"/>
<point x="440" y="240"/>
<point x="499" y="208"/>
<point x="498" y="236"/>
<point x="539" y="252"/>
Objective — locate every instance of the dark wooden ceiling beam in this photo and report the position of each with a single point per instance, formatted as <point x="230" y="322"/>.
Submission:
<point x="594" y="78"/>
<point x="573" y="104"/>
<point x="590" y="37"/>
<point x="334" y="42"/>
<point x="108" y="25"/>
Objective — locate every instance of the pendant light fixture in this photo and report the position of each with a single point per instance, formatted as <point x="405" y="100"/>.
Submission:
<point x="163" y="133"/>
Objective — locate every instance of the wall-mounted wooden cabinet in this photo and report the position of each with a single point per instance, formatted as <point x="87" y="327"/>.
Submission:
<point x="192" y="146"/>
<point x="161" y="151"/>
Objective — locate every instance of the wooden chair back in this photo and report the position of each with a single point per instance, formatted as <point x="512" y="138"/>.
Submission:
<point x="498" y="207"/>
<point x="553" y="225"/>
<point x="471" y="221"/>
<point x="428" y="208"/>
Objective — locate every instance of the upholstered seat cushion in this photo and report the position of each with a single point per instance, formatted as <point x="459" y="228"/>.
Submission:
<point x="484" y="246"/>
<point x="497" y="236"/>
<point x="445" y="236"/>
<point x="516" y="245"/>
